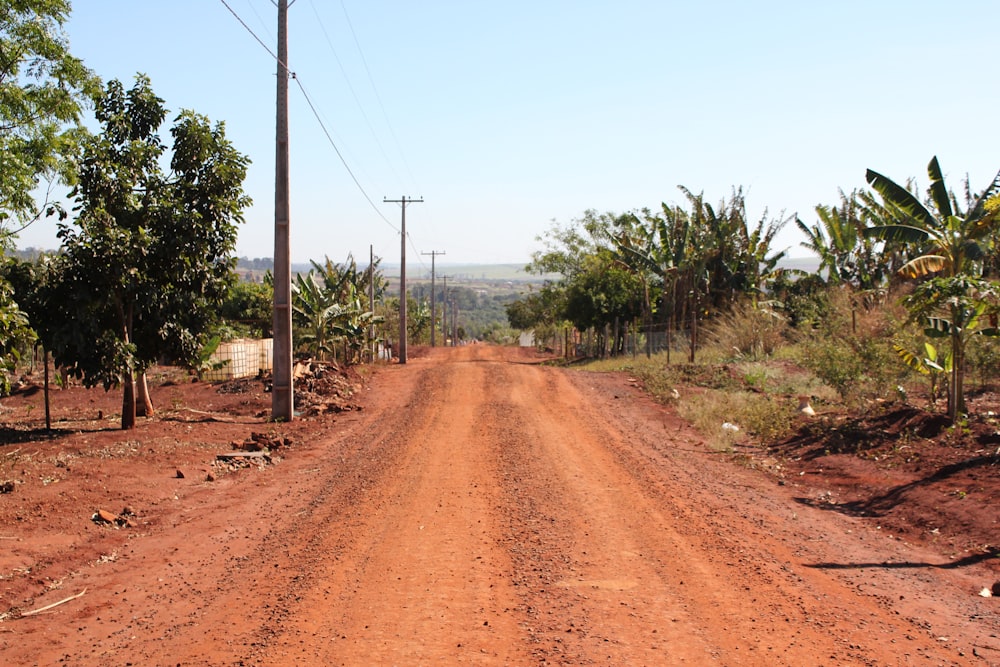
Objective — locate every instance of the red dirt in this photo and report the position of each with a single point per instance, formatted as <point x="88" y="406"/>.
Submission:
<point x="483" y="509"/>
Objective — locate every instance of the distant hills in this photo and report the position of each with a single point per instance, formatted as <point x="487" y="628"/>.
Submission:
<point x="422" y="271"/>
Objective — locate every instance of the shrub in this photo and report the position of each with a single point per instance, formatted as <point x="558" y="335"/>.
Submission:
<point x="851" y="349"/>
<point x="748" y="331"/>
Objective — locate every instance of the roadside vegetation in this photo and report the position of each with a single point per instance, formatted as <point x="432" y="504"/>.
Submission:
<point x="695" y="298"/>
<point x="904" y="303"/>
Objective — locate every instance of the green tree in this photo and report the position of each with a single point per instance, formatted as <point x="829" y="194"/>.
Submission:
<point x="538" y="308"/>
<point x="42" y="87"/>
<point x="948" y="244"/>
<point x="249" y="308"/>
<point x="653" y="247"/>
<point x="148" y="261"/>
<point x="16" y="335"/>
<point x="603" y="294"/>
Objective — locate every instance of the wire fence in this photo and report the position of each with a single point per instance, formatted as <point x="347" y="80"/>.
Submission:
<point x="614" y="342"/>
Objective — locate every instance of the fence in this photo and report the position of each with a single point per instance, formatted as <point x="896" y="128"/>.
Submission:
<point x="633" y="341"/>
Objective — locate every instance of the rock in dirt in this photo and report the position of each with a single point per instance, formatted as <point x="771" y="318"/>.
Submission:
<point x="104" y="516"/>
<point x="7" y="486"/>
<point x="259" y="442"/>
<point x="124" y="520"/>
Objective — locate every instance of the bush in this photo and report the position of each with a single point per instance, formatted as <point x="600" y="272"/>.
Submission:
<point x="748" y="331"/>
<point x="982" y="356"/>
<point x="851" y="349"/>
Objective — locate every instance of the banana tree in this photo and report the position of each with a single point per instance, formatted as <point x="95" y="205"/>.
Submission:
<point x="948" y="246"/>
<point x="633" y="245"/>
<point x="934" y="364"/>
<point x="845" y="253"/>
<point x="314" y="309"/>
<point x="330" y="306"/>
<point x="969" y="304"/>
<point x="658" y="245"/>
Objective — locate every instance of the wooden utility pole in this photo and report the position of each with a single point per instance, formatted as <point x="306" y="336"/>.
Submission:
<point x="282" y="394"/>
<point x="402" y="273"/>
<point x="433" y="254"/>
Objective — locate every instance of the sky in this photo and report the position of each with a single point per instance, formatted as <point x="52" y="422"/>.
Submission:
<point x="510" y="117"/>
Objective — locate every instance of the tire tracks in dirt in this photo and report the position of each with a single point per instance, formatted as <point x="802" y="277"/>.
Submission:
<point x="484" y="510"/>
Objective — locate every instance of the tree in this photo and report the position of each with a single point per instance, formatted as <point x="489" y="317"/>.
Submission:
<point x="541" y="308"/>
<point x="249" y="307"/>
<point x="603" y="294"/>
<point x="330" y="306"/>
<point x="147" y="262"/>
<point x="41" y="90"/>
<point x="16" y="335"/>
<point x="948" y="242"/>
<point x="42" y="87"/>
<point x="653" y="247"/>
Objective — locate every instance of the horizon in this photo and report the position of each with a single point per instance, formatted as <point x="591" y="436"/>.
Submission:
<point x="503" y="141"/>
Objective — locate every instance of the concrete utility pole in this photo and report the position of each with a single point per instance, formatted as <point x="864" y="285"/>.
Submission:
<point x="433" y="254"/>
<point x="444" y="313"/>
<point x="402" y="273"/>
<point x="282" y="395"/>
<point x="371" y="300"/>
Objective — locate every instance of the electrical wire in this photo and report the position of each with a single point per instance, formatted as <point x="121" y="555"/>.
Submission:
<point x="315" y="113"/>
<point x="354" y="94"/>
<point x="339" y="155"/>
<point x="378" y="97"/>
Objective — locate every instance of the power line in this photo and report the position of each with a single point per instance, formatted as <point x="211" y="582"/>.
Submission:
<point x="339" y="155"/>
<point x="260" y="19"/>
<point x="378" y="97"/>
<point x="252" y="33"/>
<point x="354" y="93"/>
<point x="315" y="113"/>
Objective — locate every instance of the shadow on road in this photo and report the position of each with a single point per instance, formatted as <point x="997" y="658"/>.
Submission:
<point x="879" y="504"/>
<point x="961" y="562"/>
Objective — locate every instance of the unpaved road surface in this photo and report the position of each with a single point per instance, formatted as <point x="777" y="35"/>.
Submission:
<point x="487" y="510"/>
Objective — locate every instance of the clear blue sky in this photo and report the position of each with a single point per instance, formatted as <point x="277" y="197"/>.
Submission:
<point x="507" y="116"/>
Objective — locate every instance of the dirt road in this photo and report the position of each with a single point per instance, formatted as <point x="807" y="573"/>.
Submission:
<point x="486" y="510"/>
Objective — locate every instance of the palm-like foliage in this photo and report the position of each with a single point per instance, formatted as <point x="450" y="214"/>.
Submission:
<point x="329" y="307"/>
<point x="706" y="255"/>
<point x="654" y="247"/>
<point x="314" y="312"/>
<point x="949" y="239"/>
<point x="847" y="255"/>
<point x="949" y="244"/>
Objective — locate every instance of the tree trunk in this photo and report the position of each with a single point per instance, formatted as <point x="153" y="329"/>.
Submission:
<point x="694" y="327"/>
<point x="956" y="400"/>
<point x="48" y="410"/>
<point x="128" y="402"/>
<point x="143" y="403"/>
<point x="670" y="317"/>
<point x="128" y="388"/>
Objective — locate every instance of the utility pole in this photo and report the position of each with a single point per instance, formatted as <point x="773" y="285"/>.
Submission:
<point x="282" y="394"/>
<point x="433" y="254"/>
<point x="371" y="300"/>
<point x="444" y="313"/>
<point x="402" y="273"/>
